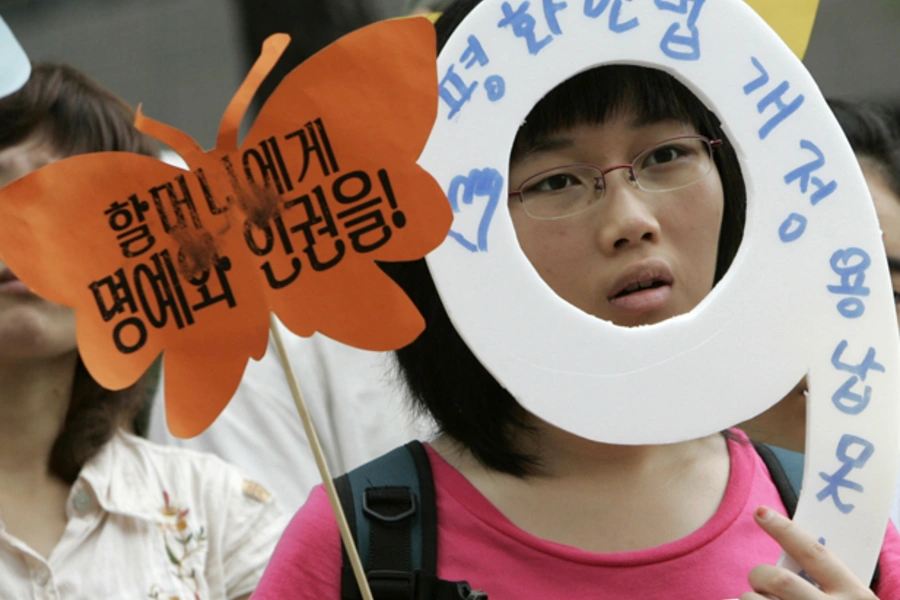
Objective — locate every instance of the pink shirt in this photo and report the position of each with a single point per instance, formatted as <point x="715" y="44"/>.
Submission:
<point x="476" y="543"/>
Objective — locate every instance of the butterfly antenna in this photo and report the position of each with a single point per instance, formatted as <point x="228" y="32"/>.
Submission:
<point x="176" y="139"/>
<point x="272" y="50"/>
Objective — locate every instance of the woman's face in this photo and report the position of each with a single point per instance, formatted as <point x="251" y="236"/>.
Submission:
<point x="887" y="206"/>
<point x="602" y="260"/>
<point x="30" y="327"/>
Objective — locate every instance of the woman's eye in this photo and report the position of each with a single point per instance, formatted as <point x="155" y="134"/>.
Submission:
<point x="664" y="155"/>
<point x="554" y="183"/>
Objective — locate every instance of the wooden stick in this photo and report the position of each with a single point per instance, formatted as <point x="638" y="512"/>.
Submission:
<point x="349" y="544"/>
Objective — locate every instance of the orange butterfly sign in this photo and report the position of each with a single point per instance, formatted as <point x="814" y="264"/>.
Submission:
<point x="190" y="263"/>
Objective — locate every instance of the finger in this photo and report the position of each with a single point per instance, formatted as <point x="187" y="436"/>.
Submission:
<point x="820" y="564"/>
<point x="770" y="581"/>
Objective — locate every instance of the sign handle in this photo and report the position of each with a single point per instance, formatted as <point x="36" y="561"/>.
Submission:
<point x="316" y="447"/>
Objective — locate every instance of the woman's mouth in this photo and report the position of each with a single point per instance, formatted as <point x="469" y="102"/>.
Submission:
<point x="643" y="297"/>
<point x="642" y="287"/>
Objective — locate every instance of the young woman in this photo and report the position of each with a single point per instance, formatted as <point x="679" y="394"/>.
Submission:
<point x="526" y="510"/>
<point x="86" y="509"/>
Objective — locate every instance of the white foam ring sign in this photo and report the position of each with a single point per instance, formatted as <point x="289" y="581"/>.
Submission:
<point x="14" y="66"/>
<point x="808" y="293"/>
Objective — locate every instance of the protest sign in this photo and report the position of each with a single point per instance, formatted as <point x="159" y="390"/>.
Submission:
<point x="156" y="259"/>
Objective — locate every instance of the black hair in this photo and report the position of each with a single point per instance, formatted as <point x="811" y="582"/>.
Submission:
<point x="443" y="375"/>
<point x="873" y="135"/>
<point x="72" y="113"/>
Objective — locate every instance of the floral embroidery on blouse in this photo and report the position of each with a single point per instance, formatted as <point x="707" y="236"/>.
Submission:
<point x="183" y="543"/>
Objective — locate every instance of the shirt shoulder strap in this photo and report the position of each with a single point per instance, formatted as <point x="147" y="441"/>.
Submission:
<point x="392" y="513"/>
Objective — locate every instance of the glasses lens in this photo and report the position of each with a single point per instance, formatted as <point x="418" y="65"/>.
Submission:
<point x="561" y="192"/>
<point x="673" y="164"/>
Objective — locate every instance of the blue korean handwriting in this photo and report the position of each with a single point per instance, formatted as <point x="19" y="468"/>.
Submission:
<point x="804" y="174"/>
<point x="463" y="92"/>
<point x="851" y="265"/>
<point x="550" y="10"/>
<point x="463" y="191"/>
<point x="845" y="399"/>
<point x="795" y="225"/>
<point x="839" y="479"/>
<point x="455" y="91"/>
<point x="776" y="105"/>
<point x="676" y="44"/>
<point x="862" y="369"/>
<point x="774" y="97"/>
<point x="792" y="227"/>
<point x="474" y="54"/>
<point x="595" y="8"/>
<point x="523" y="25"/>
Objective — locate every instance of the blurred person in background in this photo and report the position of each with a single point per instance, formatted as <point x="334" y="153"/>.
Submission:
<point x="312" y="25"/>
<point x="88" y="510"/>
<point x="421" y="7"/>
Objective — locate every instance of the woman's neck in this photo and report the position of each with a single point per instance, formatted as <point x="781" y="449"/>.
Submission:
<point x="561" y="454"/>
<point x="602" y="497"/>
<point x="34" y="400"/>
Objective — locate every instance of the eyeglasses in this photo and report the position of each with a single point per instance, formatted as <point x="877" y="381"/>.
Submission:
<point x="570" y="189"/>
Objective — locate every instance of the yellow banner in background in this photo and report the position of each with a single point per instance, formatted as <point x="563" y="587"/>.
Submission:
<point x="791" y="19"/>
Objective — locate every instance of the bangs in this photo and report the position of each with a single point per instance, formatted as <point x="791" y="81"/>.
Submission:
<point x="604" y="93"/>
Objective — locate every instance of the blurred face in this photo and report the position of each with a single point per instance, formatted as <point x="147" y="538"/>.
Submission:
<point x="633" y="257"/>
<point x="887" y="206"/>
<point x="30" y="327"/>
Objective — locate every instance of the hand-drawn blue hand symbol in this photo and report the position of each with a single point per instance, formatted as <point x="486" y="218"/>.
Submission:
<point x="478" y="183"/>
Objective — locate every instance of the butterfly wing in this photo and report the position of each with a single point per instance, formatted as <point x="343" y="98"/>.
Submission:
<point x="377" y="85"/>
<point x="349" y="125"/>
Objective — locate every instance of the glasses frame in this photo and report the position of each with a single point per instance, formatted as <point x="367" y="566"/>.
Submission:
<point x="632" y="179"/>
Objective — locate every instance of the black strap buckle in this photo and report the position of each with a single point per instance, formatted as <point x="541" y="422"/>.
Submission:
<point x="392" y="585"/>
<point x="392" y="497"/>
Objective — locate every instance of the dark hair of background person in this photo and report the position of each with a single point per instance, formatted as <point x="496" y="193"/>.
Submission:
<point x="74" y="115"/>
<point x="426" y="5"/>
<point x="444" y="377"/>
<point x="312" y="25"/>
<point x="873" y="134"/>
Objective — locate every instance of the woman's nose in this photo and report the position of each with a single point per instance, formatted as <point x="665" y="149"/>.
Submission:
<point x="628" y="217"/>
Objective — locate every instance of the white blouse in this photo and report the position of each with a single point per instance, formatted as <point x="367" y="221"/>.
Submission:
<point x="150" y="522"/>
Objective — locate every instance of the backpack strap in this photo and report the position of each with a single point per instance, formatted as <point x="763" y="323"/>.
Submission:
<point x="779" y="476"/>
<point x="392" y="513"/>
<point x="784" y="483"/>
